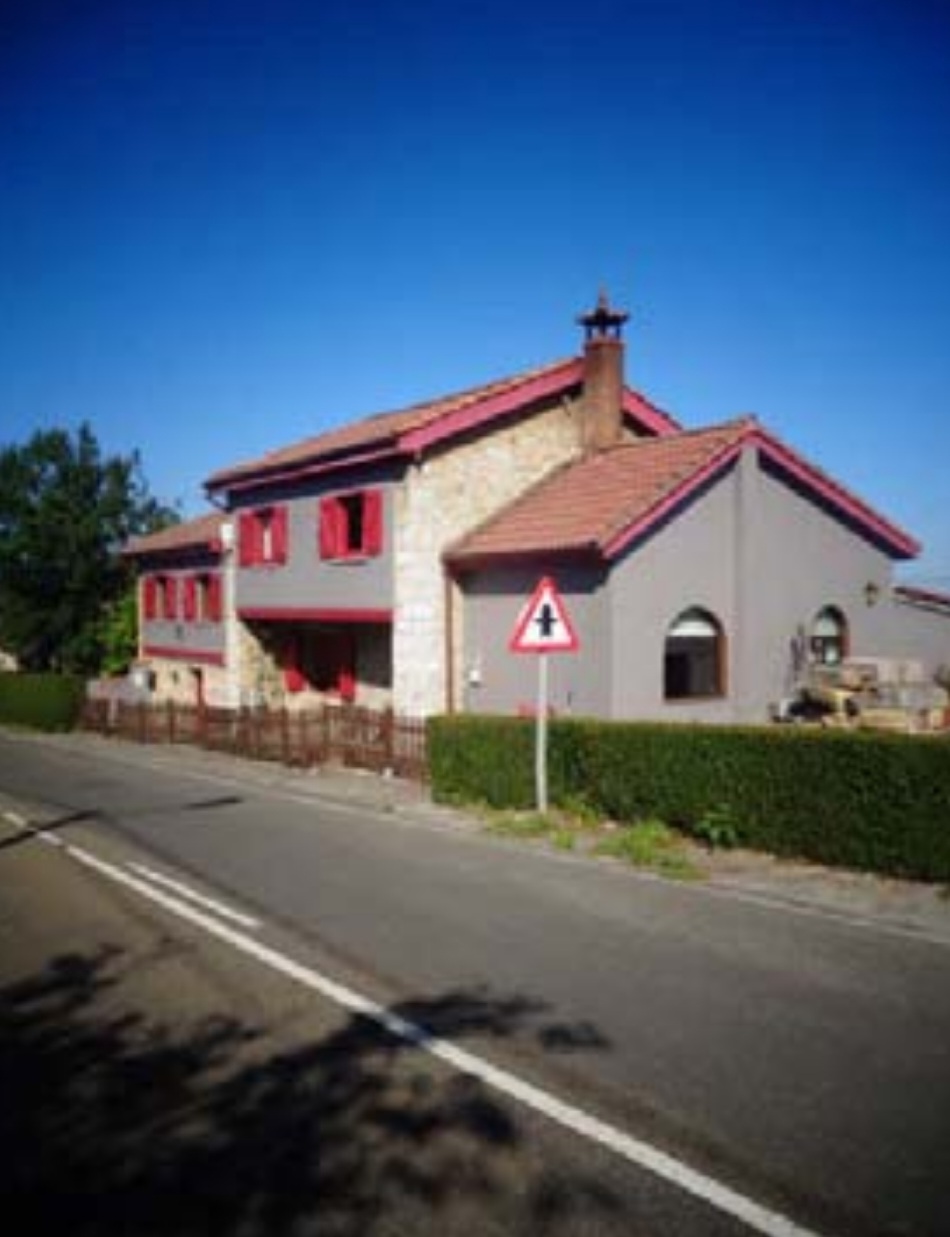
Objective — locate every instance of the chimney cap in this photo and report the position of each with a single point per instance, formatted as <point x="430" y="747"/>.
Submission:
<point x="603" y="322"/>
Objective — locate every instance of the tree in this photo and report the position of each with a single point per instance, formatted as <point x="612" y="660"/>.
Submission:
<point x="65" y="513"/>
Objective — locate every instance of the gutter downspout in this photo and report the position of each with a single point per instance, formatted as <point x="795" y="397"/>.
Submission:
<point x="448" y="608"/>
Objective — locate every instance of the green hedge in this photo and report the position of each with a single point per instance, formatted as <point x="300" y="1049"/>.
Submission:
<point x="43" y="701"/>
<point x="878" y="802"/>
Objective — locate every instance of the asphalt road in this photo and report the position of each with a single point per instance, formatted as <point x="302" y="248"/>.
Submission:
<point x="800" y="1061"/>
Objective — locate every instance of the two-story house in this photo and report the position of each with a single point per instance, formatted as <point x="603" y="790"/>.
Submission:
<point x="386" y="561"/>
<point x="185" y="604"/>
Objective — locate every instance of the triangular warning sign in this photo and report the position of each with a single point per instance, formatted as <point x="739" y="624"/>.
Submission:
<point x="544" y="625"/>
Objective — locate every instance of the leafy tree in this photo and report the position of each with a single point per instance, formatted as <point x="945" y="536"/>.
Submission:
<point x="65" y="513"/>
<point x="118" y="631"/>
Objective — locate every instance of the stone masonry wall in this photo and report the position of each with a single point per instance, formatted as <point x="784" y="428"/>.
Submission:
<point x="443" y="498"/>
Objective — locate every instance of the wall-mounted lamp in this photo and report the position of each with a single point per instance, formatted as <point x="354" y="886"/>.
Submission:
<point x="872" y="592"/>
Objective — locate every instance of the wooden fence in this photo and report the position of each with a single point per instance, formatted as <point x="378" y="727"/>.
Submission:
<point x="348" y="735"/>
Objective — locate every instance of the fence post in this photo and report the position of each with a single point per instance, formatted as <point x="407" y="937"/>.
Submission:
<point x="284" y="735"/>
<point x="389" y="739"/>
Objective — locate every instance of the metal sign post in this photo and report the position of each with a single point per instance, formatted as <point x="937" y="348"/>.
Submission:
<point x="541" y="737"/>
<point x="543" y="627"/>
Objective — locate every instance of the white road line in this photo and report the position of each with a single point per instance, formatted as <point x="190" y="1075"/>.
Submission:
<point x="192" y="895"/>
<point x="21" y="823"/>
<point x="755" y="1216"/>
<point x="763" y="901"/>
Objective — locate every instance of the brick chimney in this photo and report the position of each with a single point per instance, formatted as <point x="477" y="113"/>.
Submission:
<point x="602" y="399"/>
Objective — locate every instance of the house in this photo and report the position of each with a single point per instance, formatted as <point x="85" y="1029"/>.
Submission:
<point x="186" y="610"/>
<point x="386" y="561"/>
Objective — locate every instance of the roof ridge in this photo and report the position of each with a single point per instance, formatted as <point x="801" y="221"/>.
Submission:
<point x="387" y="422"/>
<point x="747" y="421"/>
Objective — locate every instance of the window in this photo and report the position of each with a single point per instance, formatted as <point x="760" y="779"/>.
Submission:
<point x="829" y="637"/>
<point x="262" y="537"/>
<point x="160" y="597"/>
<point x="324" y="661"/>
<point x="202" y="598"/>
<point x="351" y="525"/>
<point x="694" y="657"/>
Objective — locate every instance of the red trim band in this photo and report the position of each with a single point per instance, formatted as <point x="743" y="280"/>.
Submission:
<point x="295" y="472"/>
<point x="204" y="656"/>
<point x="307" y="614"/>
<point x="901" y="543"/>
<point x="622" y="539"/>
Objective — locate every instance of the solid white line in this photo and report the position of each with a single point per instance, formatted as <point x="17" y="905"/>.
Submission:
<point x="192" y="895"/>
<point x="21" y="823"/>
<point x="764" y="901"/>
<point x="757" y="1217"/>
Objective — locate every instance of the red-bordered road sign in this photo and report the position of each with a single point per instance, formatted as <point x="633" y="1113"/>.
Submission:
<point x="544" y="625"/>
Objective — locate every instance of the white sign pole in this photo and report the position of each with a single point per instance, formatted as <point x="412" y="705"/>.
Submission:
<point x="541" y="736"/>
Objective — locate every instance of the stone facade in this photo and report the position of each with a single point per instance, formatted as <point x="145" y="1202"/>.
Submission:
<point x="444" y="497"/>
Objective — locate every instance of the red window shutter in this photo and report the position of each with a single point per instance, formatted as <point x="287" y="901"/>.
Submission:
<point x="373" y="522"/>
<point x="346" y="678"/>
<point x="148" y="597"/>
<point x="278" y="532"/>
<point x="171" y="597"/>
<point x="214" y="597"/>
<point x="294" y="679"/>
<point x="331" y="528"/>
<point x="247" y="538"/>
<point x="190" y="599"/>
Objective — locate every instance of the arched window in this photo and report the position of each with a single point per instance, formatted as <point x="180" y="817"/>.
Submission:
<point x="694" y="657"/>
<point x="829" y="637"/>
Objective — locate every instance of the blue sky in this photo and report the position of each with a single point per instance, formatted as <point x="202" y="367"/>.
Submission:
<point x="226" y="226"/>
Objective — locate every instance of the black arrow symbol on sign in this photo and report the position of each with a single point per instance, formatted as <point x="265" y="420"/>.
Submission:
<point x="546" y="619"/>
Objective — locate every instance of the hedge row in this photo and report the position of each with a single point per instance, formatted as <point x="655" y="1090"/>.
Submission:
<point x="43" y="701"/>
<point x="877" y="802"/>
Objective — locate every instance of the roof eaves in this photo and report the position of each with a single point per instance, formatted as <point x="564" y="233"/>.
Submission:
<point x="296" y="472"/>
<point x="926" y="597"/>
<point x="899" y="543"/>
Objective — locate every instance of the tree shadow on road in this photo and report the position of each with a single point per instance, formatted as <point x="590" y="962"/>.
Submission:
<point x="112" y="1124"/>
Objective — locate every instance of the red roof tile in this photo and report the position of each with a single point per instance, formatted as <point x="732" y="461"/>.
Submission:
<point x="200" y="533"/>
<point x="588" y="504"/>
<point x="414" y="428"/>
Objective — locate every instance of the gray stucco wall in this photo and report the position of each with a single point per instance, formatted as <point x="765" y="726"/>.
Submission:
<point x="184" y="637"/>
<point x="177" y="635"/>
<point x="802" y="559"/>
<point x="508" y="682"/>
<point x="906" y="630"/>
<point x="689" y="562"/>
<point x="752" y="550"/>
<point x="308" y="581"/>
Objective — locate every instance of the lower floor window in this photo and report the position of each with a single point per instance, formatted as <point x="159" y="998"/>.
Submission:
<point x="694" y="657"/>
<point x="324" y="661"/>
<point x="829" y="637"/>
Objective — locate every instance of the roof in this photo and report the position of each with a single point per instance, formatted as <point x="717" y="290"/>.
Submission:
<point x="583" y="506"/>
<point x="203" y="533"/>
<point x="929" y="598"/>
<point x="411" y="430"/>
<point x="600" y="504"/>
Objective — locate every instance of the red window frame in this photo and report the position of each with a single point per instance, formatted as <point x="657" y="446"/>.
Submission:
<point x="262" y="537"/>
<point x="350" y="525"/>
